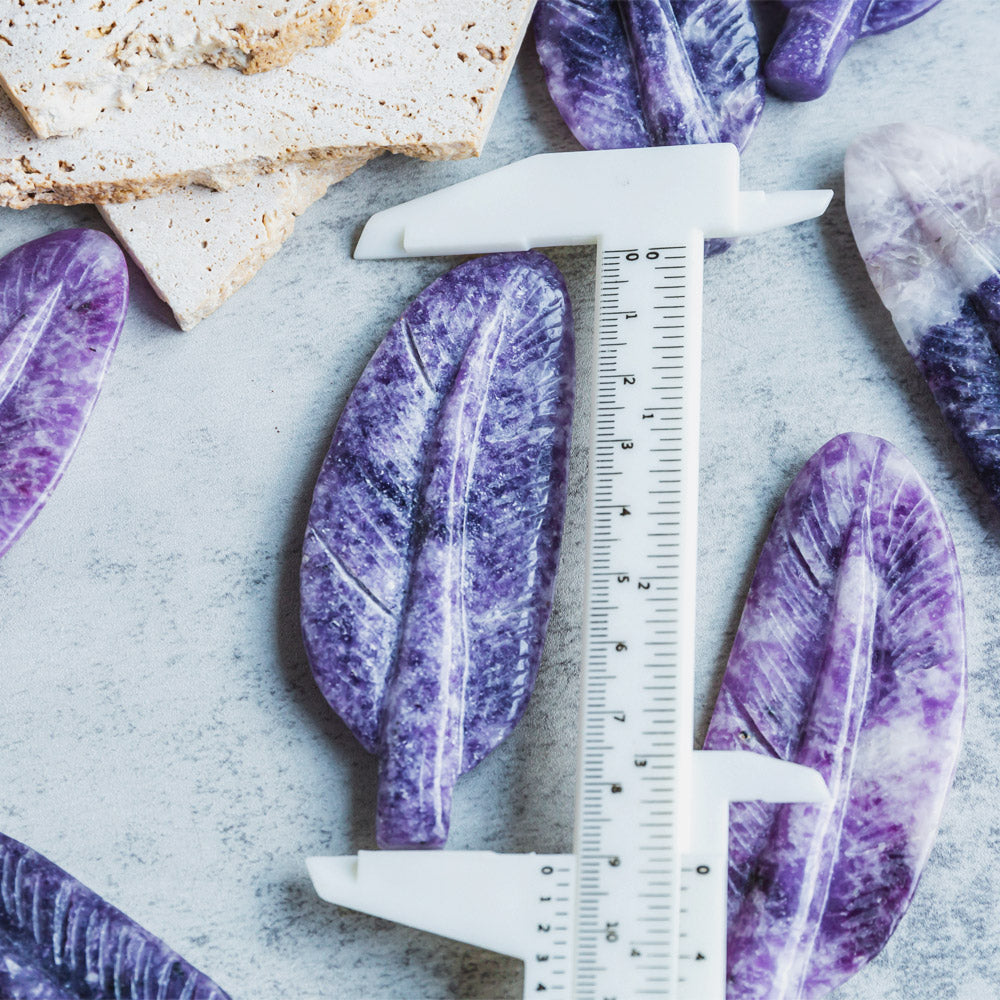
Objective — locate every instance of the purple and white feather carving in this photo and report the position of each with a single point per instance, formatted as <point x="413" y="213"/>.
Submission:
<point x="816" y="35"/>
<point x="62" y="305"/>
<point x="651" y="72"/>
<point x="924" y="206"/>
<point x="431" y="548"/>
<point x="849" y="658"/>
<point x="61" y="941"/>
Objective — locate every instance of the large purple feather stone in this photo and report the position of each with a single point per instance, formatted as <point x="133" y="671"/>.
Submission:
<point x="431" y="549"/>
<point x="817" y="34"/>
<point x="924" y="206"/>
<point x="61" y="941"/>
<point x="62" y="305"/>
<point x="849" y="658"/>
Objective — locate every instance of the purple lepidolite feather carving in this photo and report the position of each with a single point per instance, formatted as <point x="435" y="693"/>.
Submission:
<point x="817" y="34"/>
<point x="924" y="206"/>
<point x="849" y="658"/>
<point x="432" y="543"/>
<point x="651" y="72"/>
<point x="61" y="941"/>
<point x="62" y="305"/>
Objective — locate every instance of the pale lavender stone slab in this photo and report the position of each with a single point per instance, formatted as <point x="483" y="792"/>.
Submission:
<point x="61" y="941"/>
<point x="432" y="543"/>
<point x="62" y="305"/>
<point x="817" y="34"/>
<point x="849" y="658"/>
<point x="924" y="206"/>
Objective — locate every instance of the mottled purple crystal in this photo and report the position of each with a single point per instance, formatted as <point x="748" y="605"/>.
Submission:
<point x="62" y="305"/>
<point x="924" y="206"/>
<point x="431" y="549"/>
<point x="817" y="34"/>
<point x="61" y="941"/>
<point x="651" y="72"/>
<point x="849" y="658"/>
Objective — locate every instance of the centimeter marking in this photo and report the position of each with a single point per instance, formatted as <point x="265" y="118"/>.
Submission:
<point x="548" y="968"/>
<point x="637" y="708"/>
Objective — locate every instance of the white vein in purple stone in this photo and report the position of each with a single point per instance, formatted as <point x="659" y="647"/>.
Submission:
<point x="62" y="305"/>
<point x="849" y="658"/>
<point x="432" y="543"/>
<point x="817" y="34"/>
<point x="61" y="941"/>
<point x="924" y="206"/>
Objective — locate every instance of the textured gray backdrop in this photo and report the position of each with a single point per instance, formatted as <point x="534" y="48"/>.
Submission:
<point x="162" y="738"/>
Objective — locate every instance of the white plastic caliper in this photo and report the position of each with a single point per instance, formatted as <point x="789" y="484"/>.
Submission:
<point x="639" y="908"/>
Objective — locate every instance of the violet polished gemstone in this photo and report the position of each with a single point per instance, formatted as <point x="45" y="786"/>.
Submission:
<point x="60" y="941"/>
<point x="849" y="658"/>
<point x="817" y="34"/>
<point x="651" y="72"/>
<point x="924" y="206"/>
<point x="62" y="305"/>
<point x="431" y="549"/>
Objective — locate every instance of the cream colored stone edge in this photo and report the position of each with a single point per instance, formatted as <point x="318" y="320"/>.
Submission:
<point x="423" y="78"/>
<point x="62" y="65"/>
<point x="197" y="247"/>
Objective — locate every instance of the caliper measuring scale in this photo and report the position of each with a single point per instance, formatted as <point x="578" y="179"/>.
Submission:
<point x="639" y="908"/>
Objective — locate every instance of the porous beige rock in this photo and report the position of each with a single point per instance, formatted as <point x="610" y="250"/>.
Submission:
<point x="63" y="62"/>
<point x="423" y="78"/>
<point x="198" y="246"/>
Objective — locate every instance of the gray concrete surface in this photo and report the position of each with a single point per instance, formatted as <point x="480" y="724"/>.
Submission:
<point x="162" y="737"/>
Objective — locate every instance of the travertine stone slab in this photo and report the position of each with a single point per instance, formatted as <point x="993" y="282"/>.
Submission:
<point x="65" y="61"/>
<point x="198" y="246"/>
<point x="423" y="78"/>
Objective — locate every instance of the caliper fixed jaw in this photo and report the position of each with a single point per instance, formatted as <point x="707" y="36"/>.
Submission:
<point x="514" y="904"/>
<point x="479" y="897"/>
<point x="572" y="199"/>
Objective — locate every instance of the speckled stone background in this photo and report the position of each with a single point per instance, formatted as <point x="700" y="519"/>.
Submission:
<point x="162" y="738"/>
